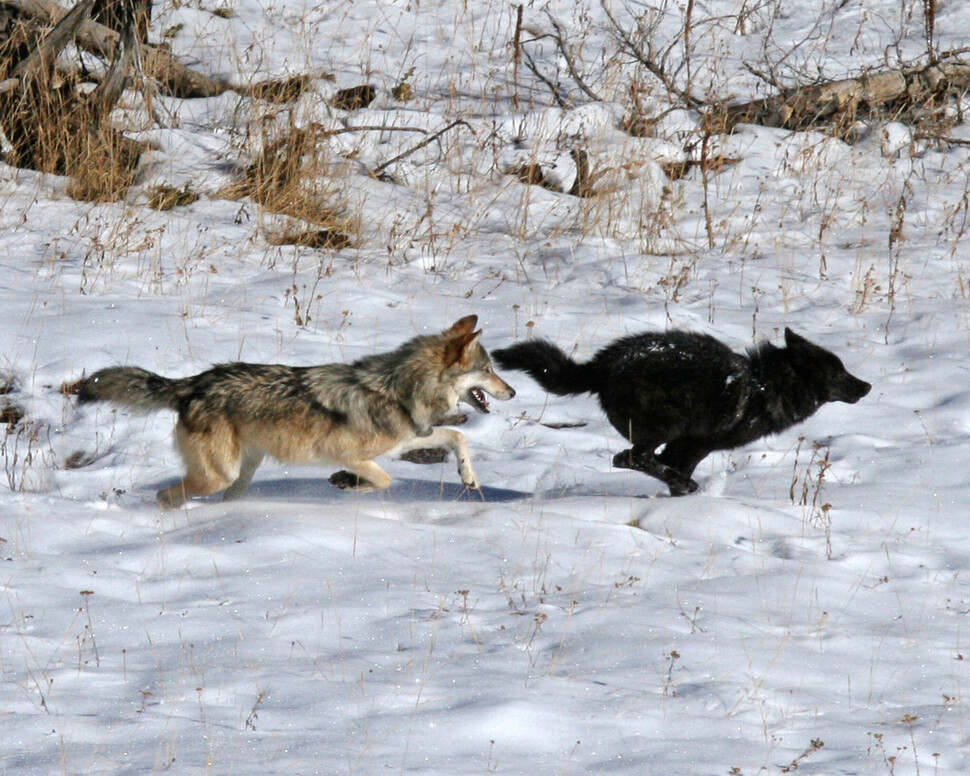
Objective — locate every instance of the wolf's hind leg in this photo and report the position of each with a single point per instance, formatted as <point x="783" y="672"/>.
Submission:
<point x="175" y="496"/>
<point x="642" y="459"/>
<point x="251" y="459"/>
<point x="211" y="464"/>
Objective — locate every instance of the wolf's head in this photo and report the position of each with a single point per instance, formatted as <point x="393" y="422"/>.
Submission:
<point x="468" y="367"/>
<point x="824" y="371"/>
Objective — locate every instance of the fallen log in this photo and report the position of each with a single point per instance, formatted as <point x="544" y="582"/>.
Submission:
<point x="173" y="77"/>
<point x="43" y="56"/>
<point x="52" y="126"/>
<point x="841" y="102"/>
<point x="158" y="63"/>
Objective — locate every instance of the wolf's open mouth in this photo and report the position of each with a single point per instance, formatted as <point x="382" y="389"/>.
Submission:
<point x="476" y="397"/>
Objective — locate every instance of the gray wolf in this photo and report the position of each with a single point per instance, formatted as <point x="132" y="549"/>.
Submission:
<point x="690" y="393"/>
<point x="232" y="415"/>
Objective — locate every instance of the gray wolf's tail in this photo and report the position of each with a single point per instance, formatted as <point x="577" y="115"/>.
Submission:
<point x="132" y="387"/>
<point x="549" y="366"/>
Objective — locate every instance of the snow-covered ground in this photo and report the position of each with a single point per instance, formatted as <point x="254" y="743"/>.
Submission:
<point x="804" y="611"/>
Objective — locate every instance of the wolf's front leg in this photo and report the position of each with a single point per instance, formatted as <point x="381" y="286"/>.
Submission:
<point x="459" y="445"/>
<point x="363" y="476"/>
<point x="642" y="459"/>
<point x="452" y="440"/>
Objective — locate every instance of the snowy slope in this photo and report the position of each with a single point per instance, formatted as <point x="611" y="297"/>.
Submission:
<point x="804" y="611"/>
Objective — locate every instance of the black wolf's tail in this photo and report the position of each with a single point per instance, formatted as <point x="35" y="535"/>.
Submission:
<point x="549" y="366"/>
<point x="132" y="387"/>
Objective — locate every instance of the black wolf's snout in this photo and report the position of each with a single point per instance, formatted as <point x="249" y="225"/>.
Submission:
<point x="850" y="389"/>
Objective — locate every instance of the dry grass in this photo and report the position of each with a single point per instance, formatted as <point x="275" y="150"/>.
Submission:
<point x="169" y="197"/>
<point x="52" y="130"/>
<point x="293" y="176"/>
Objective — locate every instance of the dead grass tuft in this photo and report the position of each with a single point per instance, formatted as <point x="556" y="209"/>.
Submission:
<point x="168" y="197"/>
<point x="293" y="177"/>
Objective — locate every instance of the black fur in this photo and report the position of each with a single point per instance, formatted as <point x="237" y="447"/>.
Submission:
<point x="690" y="393"/>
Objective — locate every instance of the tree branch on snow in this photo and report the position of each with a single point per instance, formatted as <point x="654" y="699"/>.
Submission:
<point x="172" y="77"/>
<point x="901" y="90"/>
<point x="53" y="124"/>
<point x="427" y="141"/>
<point x="534" y="69"/>
<point x="560" y="39"/>
<point x="652" y="62"/>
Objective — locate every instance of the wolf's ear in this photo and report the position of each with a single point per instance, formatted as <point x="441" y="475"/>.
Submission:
<point x="460" y="348"/>
<point x="794" y="340"/>
<point x="462" y="326"/>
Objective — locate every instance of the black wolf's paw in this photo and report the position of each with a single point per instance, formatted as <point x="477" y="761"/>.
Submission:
<point x="682" y="487"/>
<point x="624" y="460"/>
<point x="348" y="481"/>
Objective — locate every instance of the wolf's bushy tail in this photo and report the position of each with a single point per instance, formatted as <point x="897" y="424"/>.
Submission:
<point x="549" y="366"/>
<point x="132" y="387"/>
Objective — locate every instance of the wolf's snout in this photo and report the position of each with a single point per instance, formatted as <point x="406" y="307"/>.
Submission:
<point x="501" y="390"/>
<point x="853" y="390"/>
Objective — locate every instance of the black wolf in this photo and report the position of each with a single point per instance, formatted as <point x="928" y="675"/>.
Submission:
<point x="231" y="416"/>
<point x="690" y="393"/>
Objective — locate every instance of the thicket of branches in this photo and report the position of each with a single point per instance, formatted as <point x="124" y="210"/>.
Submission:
<point x="54" y="121"/>
<point x="658" y="47"/>
<point x="51" y="118"/>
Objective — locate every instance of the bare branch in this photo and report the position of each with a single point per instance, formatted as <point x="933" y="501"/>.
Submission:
<point x="428" y="140"/>
<point x="42" y="58"/>
<point x="158" y="63"/>
<point x="645" y="58"/>
<point x="560" y="38"/>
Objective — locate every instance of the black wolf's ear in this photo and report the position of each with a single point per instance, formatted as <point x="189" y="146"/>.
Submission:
<point x="460" y="348"/>
<point x="794" y="340"/>
<point x="462" y="326"/>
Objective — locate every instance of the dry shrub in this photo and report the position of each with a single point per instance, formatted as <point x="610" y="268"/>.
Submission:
<point x="293" y="177"/>
<point x="168" y="197"/>
<point x="102" y="166"/>
<point x="51" y="129"/>
<point x="639" y="125"/>
<point x="325" y="239"/>
<point x="287" y="89"/>
<point x="51" y="121"/>
<point x="676" y="170"/>
<point x="533" y="174"/>
<point x="10" y="413"/>
<point x="354" y="98"/>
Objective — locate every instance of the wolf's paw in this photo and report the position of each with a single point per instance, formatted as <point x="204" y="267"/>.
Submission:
<point x="624" y="460"/>
<point x="171" y="498"/>
<point x="349" y="481"/>
<point x="469" y="479"/>
<point x="452" y="419"/>
<point x="682" y="487"/>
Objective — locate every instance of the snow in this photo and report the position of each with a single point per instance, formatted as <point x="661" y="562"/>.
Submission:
<point x="803" y="611"/>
